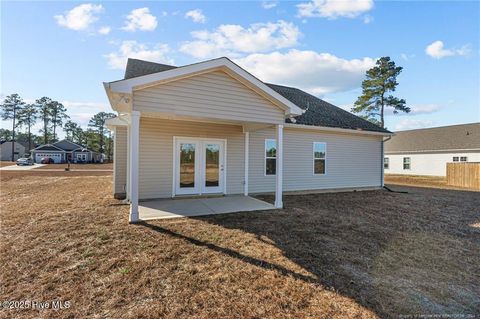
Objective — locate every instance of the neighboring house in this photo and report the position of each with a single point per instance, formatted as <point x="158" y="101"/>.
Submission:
<point x="212" y="127"/>
<point x="427" y="151"/>
<point x="6" y="151"/>
<point x="65" y="151"/>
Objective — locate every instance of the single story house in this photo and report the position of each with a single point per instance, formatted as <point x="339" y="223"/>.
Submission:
<point x="6" y="151"/>
<point x="213" y="128"/>
<point x="427" y="151"/>
<point x="65" y="151"/>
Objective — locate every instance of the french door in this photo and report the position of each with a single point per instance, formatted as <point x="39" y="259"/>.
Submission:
<point x="199" y="166"/>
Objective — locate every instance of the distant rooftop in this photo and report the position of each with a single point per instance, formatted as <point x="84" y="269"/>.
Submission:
<point x="453" y="137"/>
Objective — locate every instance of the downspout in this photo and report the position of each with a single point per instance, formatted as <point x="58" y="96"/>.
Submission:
<point x="383" y="159"/>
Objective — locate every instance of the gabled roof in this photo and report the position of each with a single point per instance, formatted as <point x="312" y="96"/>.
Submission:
<point x="127" y="86"/>
<point x="317" y="112"/>
<point x="321" y="113"/>
<point x="48" y="147"/>
<point x="445" y="138"/>
<point x="67" y="145"/>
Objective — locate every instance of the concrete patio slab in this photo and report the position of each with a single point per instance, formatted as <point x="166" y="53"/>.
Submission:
<point x="172" y="208"/>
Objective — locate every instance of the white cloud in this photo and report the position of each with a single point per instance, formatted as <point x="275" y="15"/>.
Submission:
<point x="140" y="19"/>
<point x="437" y="51"/>
<point x="333" y="9"/>
<point x="424" y="109"/>
<point x="104" y="30"/>
<point x="410" y="124"/>
<point x="81" y="17"/>
<point x="367" y="19"/>
<point x="82" y="112"/>
<point x="406" y="56"/>
<point x="318" y="73"/>
<point x="269" y="4"/>
<point x="232" y="39"/>
<point x="196" y="16"/>
<point x="133" y="49"/>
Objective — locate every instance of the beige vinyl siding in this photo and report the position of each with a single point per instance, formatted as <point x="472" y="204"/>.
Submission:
<point x="351" y="161"/>
<point x="213" y="95"/>
<point x="156" y="153"/>
<point x="120" y="159"/>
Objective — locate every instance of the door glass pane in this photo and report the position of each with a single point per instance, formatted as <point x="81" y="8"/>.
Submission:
<point x="187" y="165"/>
<point x="212" y="165"/>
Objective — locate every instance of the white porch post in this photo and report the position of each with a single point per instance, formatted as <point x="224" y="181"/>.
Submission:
<point x="133" y="163"/>
<point x="127" y="185"/>
<point x="247" y="141"/>
<point x="279" y="168"/>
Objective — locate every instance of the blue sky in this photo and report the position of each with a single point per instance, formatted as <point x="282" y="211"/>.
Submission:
<point x="65" y="50"/>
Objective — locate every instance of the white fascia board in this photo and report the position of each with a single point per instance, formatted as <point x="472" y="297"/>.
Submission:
<point x="58" y="148"/>
<point x="116" y="121"/>
<point x="335" y="129"/>
<point x="129" y="85"/>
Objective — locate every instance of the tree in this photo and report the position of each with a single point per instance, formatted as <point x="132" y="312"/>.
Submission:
<point x="5" y="134"/>
<point x="10" y="107"/>
<point x="58" y="116"/>
<point x="381" y="80"/>
<point x="45" y="114"/>
<point x="27" y="117"/>
<point x="70" y="129"/>
<point x="97" y="122"/>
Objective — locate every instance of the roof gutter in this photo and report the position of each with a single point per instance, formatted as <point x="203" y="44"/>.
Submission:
<point x="337" y="129"/>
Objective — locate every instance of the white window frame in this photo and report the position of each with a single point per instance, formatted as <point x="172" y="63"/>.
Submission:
<point x="265" y="156"/>
<point x="409" y="163"/>
<point x="463" y="157"/>
<point x="313" y="158"/>
<point x="388" y="163"/>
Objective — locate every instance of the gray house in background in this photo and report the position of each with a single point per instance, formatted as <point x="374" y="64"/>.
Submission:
<point x="65" y="151"/>
<point x="213" y="128"/>
<point x="6" y="151"/>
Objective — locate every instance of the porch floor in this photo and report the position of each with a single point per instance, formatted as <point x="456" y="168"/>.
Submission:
<point x="171" y="208"/>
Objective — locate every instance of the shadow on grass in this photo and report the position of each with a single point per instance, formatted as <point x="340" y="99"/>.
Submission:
<point x="396" y="254"/>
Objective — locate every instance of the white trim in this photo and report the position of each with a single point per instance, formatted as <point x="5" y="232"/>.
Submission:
<point x="265" y="157"/>
<point x="130" y="85"/>
<point x="38" y="148"/>
<point x="134" y="166"/>
<point x="453" y="150"/>
<point x="335" y="129"/>
<point x="313" y="159"/>
<point x="279" y="170"/>
<point x="247" y="154"/>
<point x="200" y="143"/>
<point x="114" y="155"/>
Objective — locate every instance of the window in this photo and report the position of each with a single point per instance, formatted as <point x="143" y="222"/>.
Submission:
<point x="463" y="159"/>
<point x="270" y="157"/>
<point x="406" y="163"/>
<point x="386" y="163"/>
<point x="319" y="156"/>
<point x="455" y="158"/>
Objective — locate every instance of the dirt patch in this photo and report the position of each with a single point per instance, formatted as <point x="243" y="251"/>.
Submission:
<point x="6" y="163"/>
<point x="421" y="181"/>
<point x="346" y="255"/>
<point x="106" y="166"/>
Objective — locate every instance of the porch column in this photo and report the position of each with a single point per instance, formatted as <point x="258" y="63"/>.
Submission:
<point x="279" y="168"/>
<point x="247" y="141"/>
<point x="133" y="163"/>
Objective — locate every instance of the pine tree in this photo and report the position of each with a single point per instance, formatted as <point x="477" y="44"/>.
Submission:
<point x="97" y="122"/>
<point x="45" y="114"/>
<point x="58" y="116"/>
<point x="10" y="108"/>
<point x="27" y="117"/>
<point x="381" y="80"/>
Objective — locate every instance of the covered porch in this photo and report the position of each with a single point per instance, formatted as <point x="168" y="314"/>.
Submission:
<point x="200" y="206"/>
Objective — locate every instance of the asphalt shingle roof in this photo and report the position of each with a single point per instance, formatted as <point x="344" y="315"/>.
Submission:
<point x="318" y="112"/>
<point x="454" y="137"/>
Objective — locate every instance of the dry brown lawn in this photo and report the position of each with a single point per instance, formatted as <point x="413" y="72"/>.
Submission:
<point x="346" y="255"/>
<point x="106" y="166"/>
<point x="6" y="163"/>
<point x="421" y="181"/>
